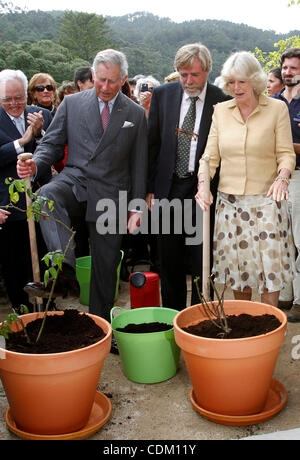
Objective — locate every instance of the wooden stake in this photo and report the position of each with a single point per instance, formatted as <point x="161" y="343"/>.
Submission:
<point x="206" y="233"/>
<point x="32" y="235"/>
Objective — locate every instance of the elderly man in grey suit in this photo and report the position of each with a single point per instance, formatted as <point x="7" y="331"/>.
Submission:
<point x="107" y="154"/>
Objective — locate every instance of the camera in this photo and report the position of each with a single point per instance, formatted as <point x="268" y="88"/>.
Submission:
<point x="144" y="87"/>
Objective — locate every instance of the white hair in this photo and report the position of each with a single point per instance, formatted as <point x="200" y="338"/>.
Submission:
<point x="243" y="66"/>
<point x="141" y="81"/>
<point x="114" y="57"/>
<point x="9" y="75"/>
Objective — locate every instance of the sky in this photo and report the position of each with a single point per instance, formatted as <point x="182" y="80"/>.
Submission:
<point x="262" y="14"/>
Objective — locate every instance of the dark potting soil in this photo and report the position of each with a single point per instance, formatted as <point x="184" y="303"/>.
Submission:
<point x="61" y="333"/>
<point x="145" y="327"/>
<point x="241" y="326"/>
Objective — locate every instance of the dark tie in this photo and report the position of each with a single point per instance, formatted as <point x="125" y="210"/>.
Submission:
<point x="184" y="140"/>
<point x="105" y="114"/>
<point x="19" y="125"/>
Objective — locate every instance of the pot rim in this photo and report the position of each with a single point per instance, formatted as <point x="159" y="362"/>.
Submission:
<point x="60" y="312"/>
<point x="282" y="326"/>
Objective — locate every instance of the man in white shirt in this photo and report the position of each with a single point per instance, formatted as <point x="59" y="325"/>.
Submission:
<point x="176" y="143"/>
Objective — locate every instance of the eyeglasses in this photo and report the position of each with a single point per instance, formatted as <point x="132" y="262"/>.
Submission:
<point x="9" y="101"/>
<point x="179" y="131"/>
<point x="41" y="88"/>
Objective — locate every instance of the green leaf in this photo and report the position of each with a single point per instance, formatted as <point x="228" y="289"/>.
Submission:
<point x="20" y="185"/>
<point x="46" y="259"/>
<point x="24" y="309"/>
<point x="15" y="197"/>
<point x="53" y="272"/>
<point x="46" y="277"/>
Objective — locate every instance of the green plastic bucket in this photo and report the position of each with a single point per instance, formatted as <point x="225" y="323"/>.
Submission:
<point x="83" y="274"/>
<point x="149" y="357"/>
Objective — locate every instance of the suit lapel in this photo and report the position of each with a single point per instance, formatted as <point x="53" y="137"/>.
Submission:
<point x="10" y="128"/>
<point x="91" y="116"/>
<point x="205" y="123"/>
<point x="174" y="115"/>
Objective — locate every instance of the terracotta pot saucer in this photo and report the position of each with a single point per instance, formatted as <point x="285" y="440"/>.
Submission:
<point x="100" y="414"/>
<point x="275" y="401"/>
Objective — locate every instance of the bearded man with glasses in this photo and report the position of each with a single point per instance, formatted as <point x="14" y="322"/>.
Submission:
<point x="21" y="126"/>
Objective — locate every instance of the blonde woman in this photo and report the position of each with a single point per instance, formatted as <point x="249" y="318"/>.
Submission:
<point x="42" y="92"/>
<point x="250" y="138"/>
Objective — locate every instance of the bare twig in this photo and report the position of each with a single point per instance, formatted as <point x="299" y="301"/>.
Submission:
<point x="215" y="311"/>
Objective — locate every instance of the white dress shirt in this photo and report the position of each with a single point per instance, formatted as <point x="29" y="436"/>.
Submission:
<point x="185" y="103"/>
<point x="17" y="146"/>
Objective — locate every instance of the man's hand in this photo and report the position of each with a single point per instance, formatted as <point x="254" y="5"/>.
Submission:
<point x="36" y="121"/>
<point x="26" y="168"/>
<point x="150" y="200"/>
<point x="134" y="221"/>
<point x="27" y="136"/>
<point x="3" y="216"/>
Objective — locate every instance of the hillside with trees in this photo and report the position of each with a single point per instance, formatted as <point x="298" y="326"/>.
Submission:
<point x="58" y="42"/>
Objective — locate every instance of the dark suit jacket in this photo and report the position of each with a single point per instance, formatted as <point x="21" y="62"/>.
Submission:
<point x="8" y="155"/>
<point x="98" y="164"/>
<point x="162" y="141"/>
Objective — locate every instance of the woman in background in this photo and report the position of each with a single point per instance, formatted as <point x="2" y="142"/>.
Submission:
<point x="275" y="82"/>
<point x="42" y="92"/>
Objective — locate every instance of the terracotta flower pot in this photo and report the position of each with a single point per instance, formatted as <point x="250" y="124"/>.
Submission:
<point x="53" y="393"/>
<point x="230" y="376"/>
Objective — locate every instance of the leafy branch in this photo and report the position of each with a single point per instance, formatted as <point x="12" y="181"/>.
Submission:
<point x="53" y="260"/>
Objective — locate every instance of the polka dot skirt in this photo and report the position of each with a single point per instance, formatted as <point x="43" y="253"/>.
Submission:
<point x="253" y="244"/>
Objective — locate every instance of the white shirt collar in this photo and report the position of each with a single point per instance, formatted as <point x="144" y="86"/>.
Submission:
<point x="12" y="118"/>
<point x="110" y="103"/>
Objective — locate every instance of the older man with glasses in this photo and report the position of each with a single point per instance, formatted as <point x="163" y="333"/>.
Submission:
<point x="21" y="126"/>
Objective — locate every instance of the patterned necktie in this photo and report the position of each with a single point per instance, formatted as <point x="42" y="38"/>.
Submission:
<point x="19" y="125"/>
<point x="105" y="114"/>
<point x="184" y="140"/>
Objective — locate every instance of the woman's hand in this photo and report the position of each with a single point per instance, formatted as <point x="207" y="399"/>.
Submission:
<point x="279" y="190"/>
<point x="145" y="99"/>
<point x="200" y="197"/>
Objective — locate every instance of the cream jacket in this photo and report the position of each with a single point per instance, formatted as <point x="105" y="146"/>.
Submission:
<point x="250" y="153"/>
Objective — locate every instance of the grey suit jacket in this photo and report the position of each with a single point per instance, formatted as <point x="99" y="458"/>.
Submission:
<point x="99" y="164"/>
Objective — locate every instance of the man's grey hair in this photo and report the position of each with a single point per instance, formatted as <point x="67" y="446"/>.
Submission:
<point x="10" y="75"/>
<point x="187" y="53"/>
<point x="113" y="57"/>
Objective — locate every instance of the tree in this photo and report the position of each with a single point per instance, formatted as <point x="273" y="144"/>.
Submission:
<point x="84" y="34"/>
<point x="272" y="59"/>
<point x="43" y="56"/>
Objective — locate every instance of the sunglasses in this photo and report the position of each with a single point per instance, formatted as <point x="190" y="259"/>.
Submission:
<point x="41" y="88"/>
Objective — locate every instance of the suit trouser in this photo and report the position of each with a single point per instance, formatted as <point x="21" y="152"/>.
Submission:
<point x="105" y="251"/>
<point x="292" y="292"/>
<point x="177" y="258"/>
<point x="15" y="259"/>
<point x="56" y="236"/>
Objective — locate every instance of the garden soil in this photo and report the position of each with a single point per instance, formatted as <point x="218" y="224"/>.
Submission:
<point x="163" y="411"/>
